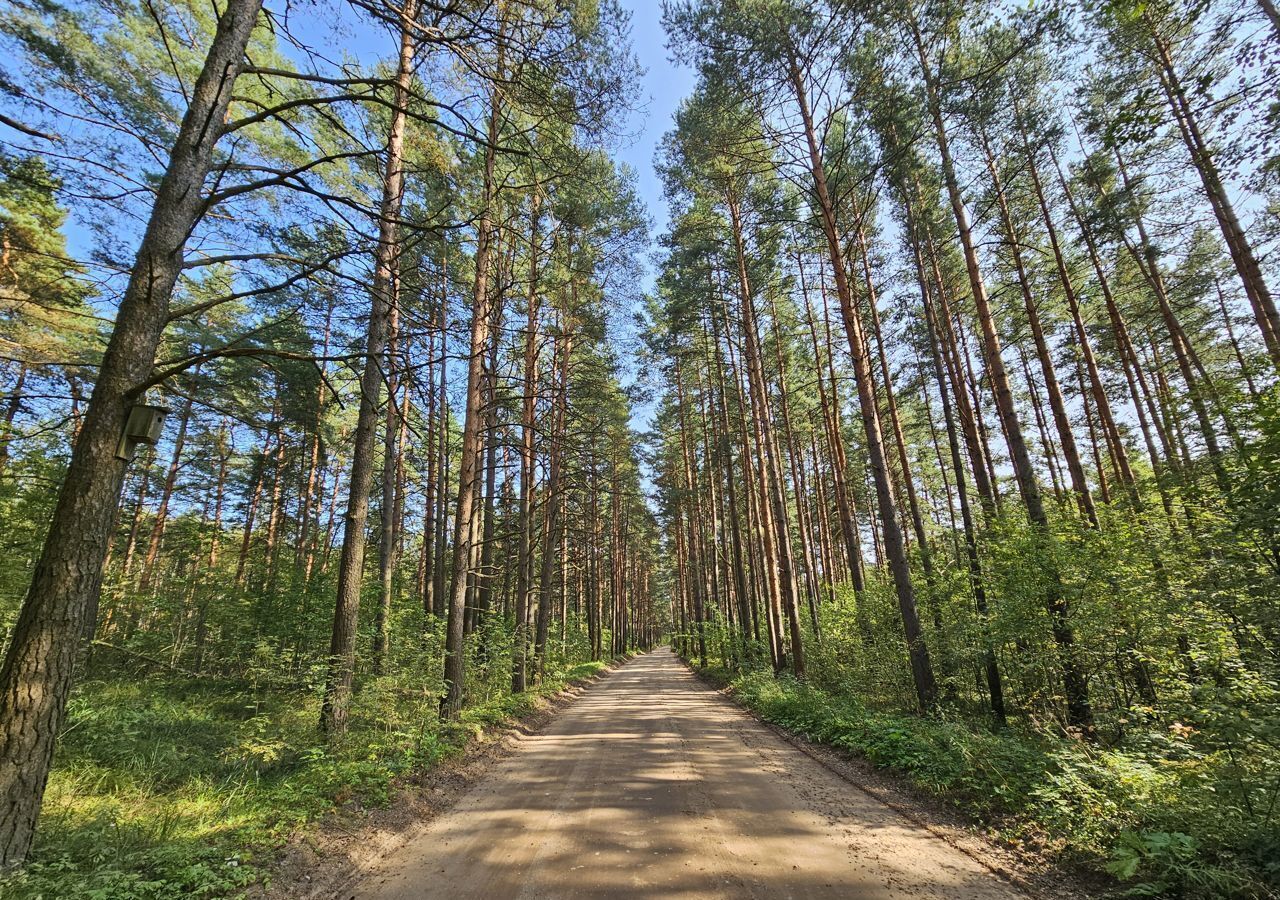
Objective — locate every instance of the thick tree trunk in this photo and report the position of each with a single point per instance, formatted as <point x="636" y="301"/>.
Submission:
<point x="38" y="669"/>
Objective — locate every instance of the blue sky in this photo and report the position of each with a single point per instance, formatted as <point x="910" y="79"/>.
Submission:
<point x="665" y="85"/>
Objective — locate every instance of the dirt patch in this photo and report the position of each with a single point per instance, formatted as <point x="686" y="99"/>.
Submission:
<point x="326" y="859"/>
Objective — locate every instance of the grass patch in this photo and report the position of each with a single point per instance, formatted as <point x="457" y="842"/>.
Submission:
<point x="1164" y="816"/>
<point x="182" y="788"/>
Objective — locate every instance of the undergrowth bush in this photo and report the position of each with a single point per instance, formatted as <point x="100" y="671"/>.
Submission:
<point x="183" y="788"/>
<point x="1165" y="814"/>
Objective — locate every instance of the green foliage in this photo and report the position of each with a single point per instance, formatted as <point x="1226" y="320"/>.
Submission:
<point x="1153" y="815"/>
<point x="182" y="788"/>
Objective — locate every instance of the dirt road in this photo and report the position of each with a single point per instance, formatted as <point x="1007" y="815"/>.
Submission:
<point x="652" y="785"/>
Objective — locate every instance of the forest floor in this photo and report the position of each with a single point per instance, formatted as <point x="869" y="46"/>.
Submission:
<point x="652" y="783"/>
<point x="173" y="787"/>
<point x="329" y="860"/>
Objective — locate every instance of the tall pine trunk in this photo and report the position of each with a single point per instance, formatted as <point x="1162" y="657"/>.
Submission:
<point x="1079" y="712"/>
<point x="38" y="669"/>
<point x="473" y="420"/>
<point x="895" y="548"/>
<point x="342" y="643"/>
<point x="524" y="563"/>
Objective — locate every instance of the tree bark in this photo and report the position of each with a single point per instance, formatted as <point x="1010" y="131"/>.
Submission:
<point x="895" y="421"/>
<point x="1057" y="404"/>
<point x="524" y="564"/>
<point x="387" y="505"/>
<point x="38" y="669"/>
<point x="772" y="494"/>
<point x="1238" y="245"/>
<point x="166" y="495"/>
<point x="342" y="643"/>
<point x="10" y="413"/>
<point x="306" y="551"/>
<point x="995" y="685"/>
<point x="1079" y="712"/>
<point x="556" y="453"/>
<point x="468" y="469"/>
<point x="890" y="530"/>
<point x="1111" y="432"/>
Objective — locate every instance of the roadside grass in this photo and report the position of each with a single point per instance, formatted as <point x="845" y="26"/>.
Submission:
<point x="169" y="787"/>
<point x="1165" y="817"/>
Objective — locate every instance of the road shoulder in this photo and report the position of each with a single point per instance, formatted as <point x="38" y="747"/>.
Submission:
<point x="327" y="859"/>
<point x="1034" y="873"/>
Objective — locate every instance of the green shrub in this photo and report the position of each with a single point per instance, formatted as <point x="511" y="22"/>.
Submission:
<point x="1157" y="814"/>
<point x="182" y="788"/>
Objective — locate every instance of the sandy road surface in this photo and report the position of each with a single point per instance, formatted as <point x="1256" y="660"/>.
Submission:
<point x="652" y="785"/>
